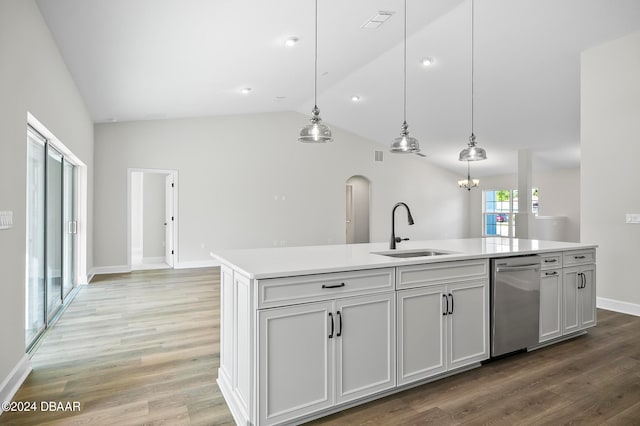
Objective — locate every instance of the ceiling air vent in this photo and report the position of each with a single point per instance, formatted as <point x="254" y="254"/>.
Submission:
<point x="377" y="20"/>
<point x="378" y="155"/>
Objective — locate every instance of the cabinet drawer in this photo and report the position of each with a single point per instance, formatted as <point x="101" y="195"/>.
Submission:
<point x="550" y="260"/>
<point x="579" y="257"/>
<point x="307" y="288"/>
<point x="441" y="273"/>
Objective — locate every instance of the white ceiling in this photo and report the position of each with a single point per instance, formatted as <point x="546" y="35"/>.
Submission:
<point x="154" y="59"/>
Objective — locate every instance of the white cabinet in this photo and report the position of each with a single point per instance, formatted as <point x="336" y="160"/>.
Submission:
<point x="469" y="323"/>
<point x="579" y="290"/>
<point x="421" y="333"/>
<point x="313" y="356"/>
<point x="365" y="346"/>
<point x="444" y="326"/>
<point x="550" y="296"/>
<point x="296" y="357"/>
<point x="579" y="298"/>
<point x="550" y="304"/>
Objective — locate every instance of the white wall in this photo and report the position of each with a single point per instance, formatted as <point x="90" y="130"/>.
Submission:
<point x="610" y="129"/>
<point x="244" y="181"/>
<point x="559" y="196"/>
<point x="153" y="213"/>
<point x="33" y="78"/>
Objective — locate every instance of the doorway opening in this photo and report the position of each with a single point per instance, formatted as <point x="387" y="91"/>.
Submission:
<point x="152" y="218"/>
<point x="358" y="194"/>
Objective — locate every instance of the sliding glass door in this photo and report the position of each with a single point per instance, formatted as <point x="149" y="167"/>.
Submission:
<point x="53" y="256"/>
<point x="51" y="234"/>
<point x="69" y="229"/>
<point x="35" y="291"/>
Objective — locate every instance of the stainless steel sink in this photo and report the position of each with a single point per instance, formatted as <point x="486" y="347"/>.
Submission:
<point x="406" y="253"/>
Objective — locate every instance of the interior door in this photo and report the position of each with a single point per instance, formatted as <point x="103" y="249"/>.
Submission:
<point x="349" y="214"/>
<point x="169" y="220"/>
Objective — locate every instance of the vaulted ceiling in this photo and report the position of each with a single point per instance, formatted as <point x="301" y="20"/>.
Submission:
<point x="156" y="59"/>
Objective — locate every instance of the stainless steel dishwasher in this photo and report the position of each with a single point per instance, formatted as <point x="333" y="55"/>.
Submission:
<point x="515" y="303"/>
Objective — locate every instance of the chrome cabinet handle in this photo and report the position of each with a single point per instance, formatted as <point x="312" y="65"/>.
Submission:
<point x="579" y="257"/>
<point x="451" y="312"/>
<point x="550" y="260"/>
<point x="339" y="324"/>
<point x="551" y="273"/>
<point x="446" y="310"/>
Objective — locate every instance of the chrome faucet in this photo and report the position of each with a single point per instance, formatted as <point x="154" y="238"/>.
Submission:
<point x="394" y="239"/>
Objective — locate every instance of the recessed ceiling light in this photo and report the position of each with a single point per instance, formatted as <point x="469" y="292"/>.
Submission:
<point x="246" y="90"/>
<point x="291" y="41"/>
<point x="427" y="62"/>
<point x="279" y="98"/>
<point x="355" y="98"/>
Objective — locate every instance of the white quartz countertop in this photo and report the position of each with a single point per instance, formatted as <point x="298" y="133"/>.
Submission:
<point x="291" y="261"/>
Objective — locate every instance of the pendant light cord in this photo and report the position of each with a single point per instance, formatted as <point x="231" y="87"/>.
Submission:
<point x="404" y="112"/>
<point x="315" y="72"/>
<point x="472" y="70"/>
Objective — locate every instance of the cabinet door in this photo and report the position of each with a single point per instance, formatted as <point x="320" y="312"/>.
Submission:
<point x="550" y="304"/>
<point x="571" y="313"/>
<point x="295" y="361"/>
<point x="468" y="329"/>
<point x="365" y="346"/>
<point x="587" y="296"/>
<point x="421" y="333"/>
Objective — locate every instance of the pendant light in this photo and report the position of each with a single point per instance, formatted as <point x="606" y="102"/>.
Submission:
<point x="405" y="144"/>
<point x="315" y="131"/>
<point x="472" y="152"/>
<point x="468" y="183"/>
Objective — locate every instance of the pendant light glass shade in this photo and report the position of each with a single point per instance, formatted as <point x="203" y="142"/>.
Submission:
<point x="473" y="152"/>
<point x="315" y="131"/>
<point x="405" y="144"/>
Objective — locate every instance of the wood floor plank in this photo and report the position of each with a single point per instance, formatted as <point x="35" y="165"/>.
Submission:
<point x="143" y="349"/>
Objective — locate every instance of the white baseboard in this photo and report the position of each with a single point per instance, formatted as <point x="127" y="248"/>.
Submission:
<point x="618" y="306"/>
<point x="157" y="259"/>
<point x="14" y="380"/>
<point x="197" y="264"/>
<point x="116" y="269"/>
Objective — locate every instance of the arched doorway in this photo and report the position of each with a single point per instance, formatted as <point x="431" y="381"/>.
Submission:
<point x="358" y="189"/>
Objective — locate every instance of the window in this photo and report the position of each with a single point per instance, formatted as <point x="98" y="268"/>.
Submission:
<point x="498" y="211"/>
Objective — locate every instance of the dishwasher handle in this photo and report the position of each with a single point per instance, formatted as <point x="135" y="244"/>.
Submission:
<point x="518" y="268"/>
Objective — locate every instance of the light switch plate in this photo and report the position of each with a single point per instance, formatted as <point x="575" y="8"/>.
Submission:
<point x="6" y="219"/>
<point x="633" y="217"/>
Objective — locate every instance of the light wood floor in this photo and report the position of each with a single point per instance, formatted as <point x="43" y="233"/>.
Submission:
<point x="143" y="348"/>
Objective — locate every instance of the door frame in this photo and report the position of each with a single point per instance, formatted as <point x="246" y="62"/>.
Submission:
<point x="174" y="174"/>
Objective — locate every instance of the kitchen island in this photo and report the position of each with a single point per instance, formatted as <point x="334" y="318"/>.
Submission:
<point x="308" y="331"/>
